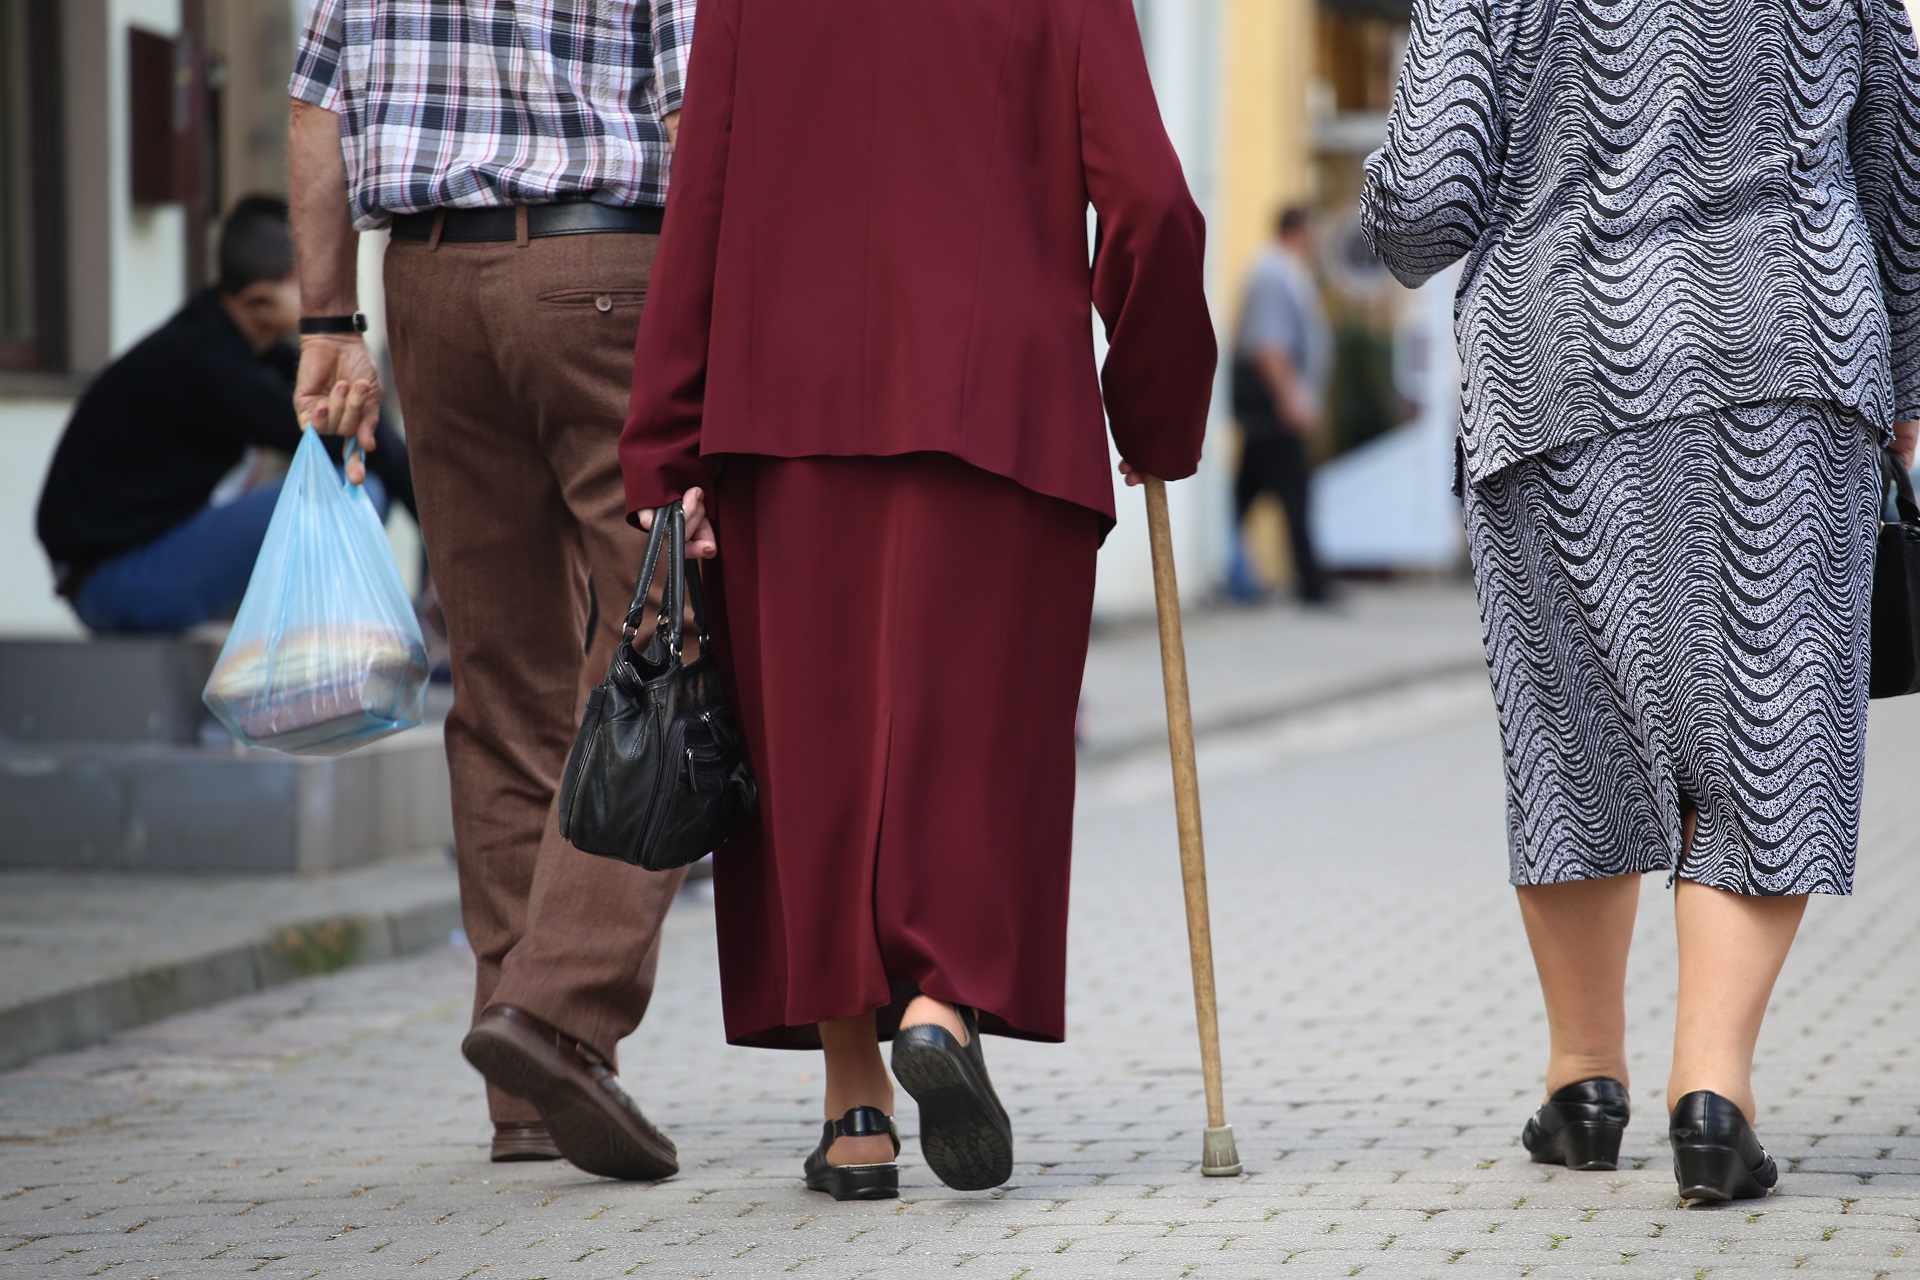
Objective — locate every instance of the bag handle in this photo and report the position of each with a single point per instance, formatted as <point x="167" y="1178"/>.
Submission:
<point x="1897" y="502"/>
<point x="649" y="566"/>
<point x="668" y="538"/>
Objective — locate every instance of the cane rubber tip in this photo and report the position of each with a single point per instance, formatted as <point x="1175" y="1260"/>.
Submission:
<point x="1219" y="1158"/>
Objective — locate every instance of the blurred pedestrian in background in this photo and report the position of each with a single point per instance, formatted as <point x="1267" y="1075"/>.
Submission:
<point x="867" y="369"/>
<point x="520" y="156"/>
<point x="1689" y="317"/>
<point x="1282" y="359"/>
<point x="149" y="512"/>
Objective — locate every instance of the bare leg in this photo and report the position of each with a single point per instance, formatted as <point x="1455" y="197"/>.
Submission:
<point x="856" y="1077"/>
<point x="1732" y="946"/>
<point x="1580" y="932"/>
<point x="925" y="1010"/>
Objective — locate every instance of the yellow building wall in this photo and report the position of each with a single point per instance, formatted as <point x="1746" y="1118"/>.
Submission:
<point x="1267" y="55"/>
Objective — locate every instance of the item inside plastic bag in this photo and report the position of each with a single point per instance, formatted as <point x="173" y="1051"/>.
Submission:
<point x="325" y="654"/>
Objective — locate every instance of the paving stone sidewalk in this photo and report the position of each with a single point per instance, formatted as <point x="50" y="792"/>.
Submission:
<point x="1251" y="664"/>
<point x="85" y="954"/>
<point x="1382" y="1036"/>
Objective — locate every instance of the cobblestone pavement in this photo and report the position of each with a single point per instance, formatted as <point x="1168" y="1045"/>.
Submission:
<point x="84" y="954"/>
<point x="1382" y="1035"/>
<point x="61" y="928"/>
<point x="1378" y="636"/>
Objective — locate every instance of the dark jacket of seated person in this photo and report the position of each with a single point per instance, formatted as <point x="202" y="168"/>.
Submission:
<point x="127" y="514"/>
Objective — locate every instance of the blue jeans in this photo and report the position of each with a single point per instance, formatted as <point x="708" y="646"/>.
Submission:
<point x="193" y="572"/>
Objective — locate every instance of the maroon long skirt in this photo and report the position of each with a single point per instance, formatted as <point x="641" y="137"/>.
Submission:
<point x="904" y="638"/>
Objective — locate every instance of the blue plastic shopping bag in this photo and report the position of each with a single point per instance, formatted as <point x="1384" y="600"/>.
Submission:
<point x="325" y="653"/>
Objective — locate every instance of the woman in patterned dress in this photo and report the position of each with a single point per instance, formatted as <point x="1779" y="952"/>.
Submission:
<point x="1687" y="319"/>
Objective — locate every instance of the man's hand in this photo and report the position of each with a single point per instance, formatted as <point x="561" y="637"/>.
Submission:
<point x="1288" y="390"/>
<point x="701" y="542"/>
<point x="338" y="387"/>
<point x="338" y="390"/>
<point x="672" y="121"/>
<point x="1905" y="436"/>
<point x="1300" y="415"/>
<point x="701" y="545"/>
<point x="1134" y="475"/>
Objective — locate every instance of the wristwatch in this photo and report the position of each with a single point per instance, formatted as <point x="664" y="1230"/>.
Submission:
<point x="355" y="323"/>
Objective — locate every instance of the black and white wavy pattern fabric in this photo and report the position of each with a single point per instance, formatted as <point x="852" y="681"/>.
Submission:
<point x="1676" y="615"/>
<point x="1666" y="207"/>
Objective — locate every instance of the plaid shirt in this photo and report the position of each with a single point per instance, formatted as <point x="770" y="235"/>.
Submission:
<point x="461" y="104"/>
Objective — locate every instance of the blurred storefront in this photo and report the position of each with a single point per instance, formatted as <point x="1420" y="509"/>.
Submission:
<point x="1298" y="93"/>
<point x="126" y="126"/>
<point x="1383" y="497"/>
<point x="1232" y="78"/>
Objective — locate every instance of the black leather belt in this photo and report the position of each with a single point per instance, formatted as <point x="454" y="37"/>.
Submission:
<point x="571" y="218"/>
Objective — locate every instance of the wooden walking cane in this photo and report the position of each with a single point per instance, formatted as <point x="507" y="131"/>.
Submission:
<point x="1218" y="1156"/>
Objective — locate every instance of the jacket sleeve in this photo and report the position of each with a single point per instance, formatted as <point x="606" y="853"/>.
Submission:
<point x="1149" y="278"/>
<point x="1426" y="194"/>
<point x="660" y="444"/>
<point x="1883" y="141"/>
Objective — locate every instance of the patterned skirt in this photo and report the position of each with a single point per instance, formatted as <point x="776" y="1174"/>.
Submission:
<point x="1676" y="618"/>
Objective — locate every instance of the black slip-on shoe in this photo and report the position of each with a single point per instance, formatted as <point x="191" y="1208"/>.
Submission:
<point x="855" y="1181"/>
<point x="1716" y="1154"/>
<point x="1580" y="1126"/>
<point x="964" y="1131"/>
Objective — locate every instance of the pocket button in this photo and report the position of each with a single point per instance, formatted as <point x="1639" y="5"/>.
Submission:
<point x="603" y="303"/>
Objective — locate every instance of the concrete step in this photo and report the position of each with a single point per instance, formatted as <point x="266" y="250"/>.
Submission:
<point x="118" y="689"/>
<point x="158" y="807"/>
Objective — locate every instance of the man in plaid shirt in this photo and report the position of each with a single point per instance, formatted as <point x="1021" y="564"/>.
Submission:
<point x="519" y="154"/>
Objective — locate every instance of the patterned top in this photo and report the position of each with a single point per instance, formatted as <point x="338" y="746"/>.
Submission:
<point x="1665" y="207"/>
<point x="463" y="104"/>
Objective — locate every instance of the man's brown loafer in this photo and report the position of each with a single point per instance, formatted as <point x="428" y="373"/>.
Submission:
<point x="593" y="1122"/>
<point x="522" y="1140"/>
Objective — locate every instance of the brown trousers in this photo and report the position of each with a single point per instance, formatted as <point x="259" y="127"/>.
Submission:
<point x="513" y="363"/>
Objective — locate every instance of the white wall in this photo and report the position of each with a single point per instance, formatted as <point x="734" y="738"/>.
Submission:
<point x="1389" y="504"/>
<point x="146" y="271"/>
<point x="149" y="245"/>
<point x="1182" y="41"/>
<point x="28" y="606"/>
<point x="147" y="266"/>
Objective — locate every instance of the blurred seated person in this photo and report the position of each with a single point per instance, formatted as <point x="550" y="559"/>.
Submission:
<point x="146" y="513"/>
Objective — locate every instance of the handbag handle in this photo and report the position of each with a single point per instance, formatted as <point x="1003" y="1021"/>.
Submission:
<point x="668" y="538"/>
<point x="649" y="566"/>
<point x="1897" y="503"/>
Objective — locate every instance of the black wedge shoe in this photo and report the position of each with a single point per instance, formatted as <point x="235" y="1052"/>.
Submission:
<point x="1716" y="1154"/>
<point x="964" y="1131"/>
<point x="855" y="1181"/>
<point x="1580" y="1126"/>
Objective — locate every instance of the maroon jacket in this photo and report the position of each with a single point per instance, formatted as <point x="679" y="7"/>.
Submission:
<point x="876" y="244"/>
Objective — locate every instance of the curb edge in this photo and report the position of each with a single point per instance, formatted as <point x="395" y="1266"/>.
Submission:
<point x="80" y="1016"/>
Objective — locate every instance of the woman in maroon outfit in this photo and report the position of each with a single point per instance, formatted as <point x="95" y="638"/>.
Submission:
<point x="867" y="359"/>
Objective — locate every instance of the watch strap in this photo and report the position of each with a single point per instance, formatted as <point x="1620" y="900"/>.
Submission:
<point x="355" y="323"/>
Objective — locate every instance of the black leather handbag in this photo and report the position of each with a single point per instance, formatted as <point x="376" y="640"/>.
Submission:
<point x="656" y="777"/>
<point x="1896" y="587"/>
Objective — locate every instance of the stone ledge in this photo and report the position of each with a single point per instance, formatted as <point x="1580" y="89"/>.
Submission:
<point x="158" y="807"/>
<point x="91" y="1012"/>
